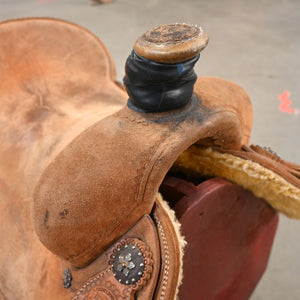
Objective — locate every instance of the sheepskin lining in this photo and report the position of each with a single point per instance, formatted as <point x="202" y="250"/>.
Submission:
<point x="181" y="241"/>
<point x="264" y="183"/>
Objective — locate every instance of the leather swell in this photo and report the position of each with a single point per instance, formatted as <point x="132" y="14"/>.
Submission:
<point x="101" y="184"/>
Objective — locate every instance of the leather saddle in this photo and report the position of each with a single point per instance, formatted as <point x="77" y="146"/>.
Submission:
<point x="155" y="197"/>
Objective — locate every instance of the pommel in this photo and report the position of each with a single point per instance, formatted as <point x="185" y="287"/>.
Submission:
<point x="171" y="43"/>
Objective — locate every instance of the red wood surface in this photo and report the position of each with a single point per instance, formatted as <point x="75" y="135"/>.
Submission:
<point x="229" y="233"/>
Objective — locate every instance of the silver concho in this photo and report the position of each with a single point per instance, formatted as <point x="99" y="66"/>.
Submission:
<point x="131" y="262"/>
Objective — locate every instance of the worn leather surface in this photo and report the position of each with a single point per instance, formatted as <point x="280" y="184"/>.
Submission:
<point x="171" y="43"/>
<point x="88" y="169"/>
<point x="56" y="80"/>
<point x="79" y="169"/>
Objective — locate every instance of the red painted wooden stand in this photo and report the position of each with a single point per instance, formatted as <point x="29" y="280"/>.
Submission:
<point x="229" y="233"/>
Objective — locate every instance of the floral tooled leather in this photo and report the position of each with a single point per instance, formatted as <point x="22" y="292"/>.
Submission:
<point x="130" y="267"/>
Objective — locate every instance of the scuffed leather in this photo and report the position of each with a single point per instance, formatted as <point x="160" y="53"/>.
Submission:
<point x="88" y="169"/>
<point x="57" y="79"/>
<point x="79" y="169"/>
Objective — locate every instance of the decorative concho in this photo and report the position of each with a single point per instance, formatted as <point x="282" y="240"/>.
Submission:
<point x="67" y="278"/>
<point x="131" y="262"/>
<point x="171" y="43"/>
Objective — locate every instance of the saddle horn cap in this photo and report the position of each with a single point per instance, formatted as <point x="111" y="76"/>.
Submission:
<point x="171" y="43"/>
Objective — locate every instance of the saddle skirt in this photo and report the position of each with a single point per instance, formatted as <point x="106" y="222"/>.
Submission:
<point x="85" y="202"/>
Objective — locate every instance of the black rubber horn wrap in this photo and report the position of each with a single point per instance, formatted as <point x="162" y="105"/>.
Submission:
<point x="163" y="77"/>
